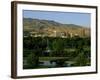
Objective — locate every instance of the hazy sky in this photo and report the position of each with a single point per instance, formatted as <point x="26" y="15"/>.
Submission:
<point x="62" y="17"/>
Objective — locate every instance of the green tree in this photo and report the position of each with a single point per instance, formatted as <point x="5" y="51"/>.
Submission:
<point x="32" y="60"/>
<point x="81" y="60"/>
<point x="58" y="46"/>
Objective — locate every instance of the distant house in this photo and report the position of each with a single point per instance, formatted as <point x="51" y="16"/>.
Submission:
<point x="63" y="35"/>
<point x="36" y="34"/>
<point x="33" y="34"/>
<point x="76" y="35"/>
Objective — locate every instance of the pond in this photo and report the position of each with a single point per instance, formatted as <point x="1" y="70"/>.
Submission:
<point x="54" y="64"/>
<point x="47" y="63"/>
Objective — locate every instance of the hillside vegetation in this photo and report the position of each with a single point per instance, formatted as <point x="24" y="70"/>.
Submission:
<point x="48" y="27"/>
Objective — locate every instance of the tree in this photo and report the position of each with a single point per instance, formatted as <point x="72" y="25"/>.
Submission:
<point x="32" y="60"/>
<point x="81" y="60"/>
<point x="58" y="46"/>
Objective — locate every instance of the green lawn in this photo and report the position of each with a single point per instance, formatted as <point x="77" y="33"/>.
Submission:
<point x="51" y="58"/>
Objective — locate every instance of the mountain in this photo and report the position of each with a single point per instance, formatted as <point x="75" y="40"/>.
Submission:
<point x="49" y="27"/>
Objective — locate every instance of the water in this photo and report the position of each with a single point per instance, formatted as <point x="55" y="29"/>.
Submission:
<point x="48" y="63"/>
<point x="54" y="64"/>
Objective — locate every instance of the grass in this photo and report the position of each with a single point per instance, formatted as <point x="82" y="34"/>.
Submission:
<point x="51" y="58"/>
<point x="70" y="49"/>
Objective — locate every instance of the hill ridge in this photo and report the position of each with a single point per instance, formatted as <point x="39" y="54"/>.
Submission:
<point x="50" y="26"/>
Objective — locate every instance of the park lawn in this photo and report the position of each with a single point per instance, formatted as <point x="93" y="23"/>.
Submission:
<point x="70" y="49"/>
<point x="51" y="58"/>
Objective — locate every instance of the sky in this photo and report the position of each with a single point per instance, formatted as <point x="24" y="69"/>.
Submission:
<point x="82" y="19"/>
